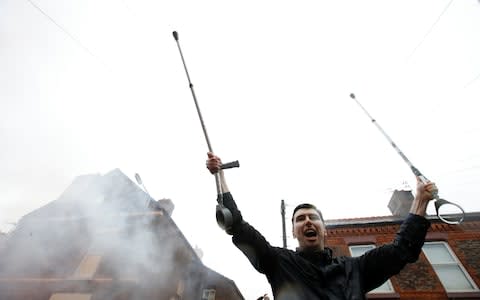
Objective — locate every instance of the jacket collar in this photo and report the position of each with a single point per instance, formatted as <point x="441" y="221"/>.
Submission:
<point x="322" y="257"/>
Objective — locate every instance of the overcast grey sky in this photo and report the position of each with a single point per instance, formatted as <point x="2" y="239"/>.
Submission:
<point x="89" y="86"/>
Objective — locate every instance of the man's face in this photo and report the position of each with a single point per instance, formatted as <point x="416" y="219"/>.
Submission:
<point x="309" y="229"/>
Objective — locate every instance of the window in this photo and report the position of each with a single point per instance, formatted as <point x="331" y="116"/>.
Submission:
<point x="208" y="294"/>
<point x="448" y="268"/>
<point x="88" y="266"/>
<point x="358" y="250"/>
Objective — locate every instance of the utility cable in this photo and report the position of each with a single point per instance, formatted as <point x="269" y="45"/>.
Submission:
<point x="77" y="42"/>
<point x="472" y="81"/>
<point x="430" y="30"/>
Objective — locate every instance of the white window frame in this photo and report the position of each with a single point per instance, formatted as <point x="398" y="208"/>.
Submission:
<point x="208" y="294"/>
<point x="387" y="286"/>
<point x="455" y="263"/>
<point x="70" y="296"/>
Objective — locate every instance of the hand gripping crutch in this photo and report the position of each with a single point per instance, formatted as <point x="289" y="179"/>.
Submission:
<point x="223" y="214"/>
<point x="451" y="219"/>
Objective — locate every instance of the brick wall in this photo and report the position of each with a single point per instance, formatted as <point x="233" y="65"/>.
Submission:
<point x="417" y="280"/>
<point x="418" y="276"/>
<point x="468" y="251"/>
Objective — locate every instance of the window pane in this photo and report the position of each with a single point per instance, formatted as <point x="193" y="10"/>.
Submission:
<point x="437" y="253"/>
<point x="453" y="278"/>
<point x="359" y="250"/>
<point x="386" y="287"/>
<point x="447" y="267"/>
<point x="208" y="294"/>
<point x="88" y="266"/>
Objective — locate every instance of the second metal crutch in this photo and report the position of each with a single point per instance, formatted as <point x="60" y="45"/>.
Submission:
<point x="452" y="219"/>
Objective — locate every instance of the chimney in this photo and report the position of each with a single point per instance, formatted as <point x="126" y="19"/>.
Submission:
<point x="167" y="205"/>
<point x="400" y="202"/>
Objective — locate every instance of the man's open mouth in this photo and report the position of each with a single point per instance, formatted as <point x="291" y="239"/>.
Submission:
<point x="310" y="233"/>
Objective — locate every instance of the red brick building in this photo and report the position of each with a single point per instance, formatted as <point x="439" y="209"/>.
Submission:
<point x="105" y="239"/>
<point x="448" y="267"/>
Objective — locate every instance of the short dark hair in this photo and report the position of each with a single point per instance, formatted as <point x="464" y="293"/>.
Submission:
<point x="307" y="206"/>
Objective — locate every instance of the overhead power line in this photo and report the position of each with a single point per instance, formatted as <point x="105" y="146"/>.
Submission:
<point x="429" y="30"/>
<point x="473" y="80"/>
<point x="77" y="42"/>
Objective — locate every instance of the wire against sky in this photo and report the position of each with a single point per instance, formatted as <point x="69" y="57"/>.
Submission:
<point x="77" y="42"/>
<point x="430" y="30"/>
<point x="474" y="79"/>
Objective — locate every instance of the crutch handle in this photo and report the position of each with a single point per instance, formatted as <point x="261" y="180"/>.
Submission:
<point x="233" y="164"/>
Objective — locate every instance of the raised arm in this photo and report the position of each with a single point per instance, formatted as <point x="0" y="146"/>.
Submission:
<point x="379" y="264"/>
<point x="245" y="236"/>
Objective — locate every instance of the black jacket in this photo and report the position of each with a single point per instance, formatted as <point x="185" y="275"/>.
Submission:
<point x="310" y="275"/>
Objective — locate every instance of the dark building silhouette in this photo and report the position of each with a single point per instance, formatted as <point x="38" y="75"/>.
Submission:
<point x="105" y="238"/>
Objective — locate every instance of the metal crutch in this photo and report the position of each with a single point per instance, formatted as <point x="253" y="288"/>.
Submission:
<point x="454" y="219"/>
<point x="223" y="214"/>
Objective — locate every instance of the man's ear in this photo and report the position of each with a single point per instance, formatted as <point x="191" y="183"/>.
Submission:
<point x="324" y="230"/>
<point x="293" y="234"/>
